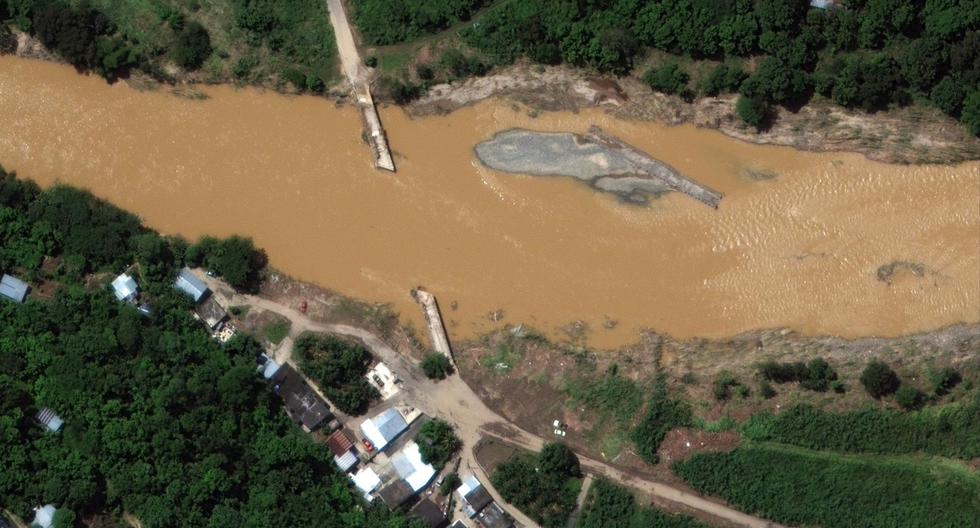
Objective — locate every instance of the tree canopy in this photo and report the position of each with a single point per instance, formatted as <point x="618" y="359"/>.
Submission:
<point x="161" y="421"/>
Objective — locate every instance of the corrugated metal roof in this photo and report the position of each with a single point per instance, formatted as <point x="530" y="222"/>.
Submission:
<point x="384" y="428"/>
<point x="124" y="287"/>
<point x="191" y="285"/>
<point x="13" y="288"/>
<point x="347" y="461"/>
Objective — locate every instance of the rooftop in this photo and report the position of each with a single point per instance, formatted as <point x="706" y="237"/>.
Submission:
<point x="211" y="313"/>
<point x="49" y="419"/>
<point x="188" y="283"/>
<point x="302" y="404"/>
<point x="124" y="287"/>
<point x="13" y="288"/>
<point x="396" y="493"/>
<point x="427" y="512"/>
<point x="384" y="428"/>
<point x="408" y="465"/>
<point x="493" y="516"/>
<point x="474" y="495"/>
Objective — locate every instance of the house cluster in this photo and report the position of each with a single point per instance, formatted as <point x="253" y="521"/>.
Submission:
<point x="479" y="505"/>
<point x="383" y="461"/>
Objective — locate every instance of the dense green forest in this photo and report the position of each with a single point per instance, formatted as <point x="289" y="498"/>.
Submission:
<point x="612" y="506"/>
<point x="248" y="40"/>
<point x="950" y="430"/>
<point x="866" y="54"/>
<point x="161" y="421"/>
<point x="796" y="487"/>
<point x="544" y="486"/>
<point x="385" y="22"/>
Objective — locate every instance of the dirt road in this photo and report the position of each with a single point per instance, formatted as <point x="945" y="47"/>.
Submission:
<point x="346" y="48"/>
<point x="453" y="400"/>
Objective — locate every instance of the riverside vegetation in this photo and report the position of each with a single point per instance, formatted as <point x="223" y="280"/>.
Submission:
<point x="270" y="42"/>
<point x="867" y="54"/>
<point x="162" y="422"/>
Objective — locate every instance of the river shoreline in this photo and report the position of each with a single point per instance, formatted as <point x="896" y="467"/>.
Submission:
<point x="912" y="135"/>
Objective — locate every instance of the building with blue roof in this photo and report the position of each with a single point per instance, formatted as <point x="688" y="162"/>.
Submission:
<point x="384" y="428"/>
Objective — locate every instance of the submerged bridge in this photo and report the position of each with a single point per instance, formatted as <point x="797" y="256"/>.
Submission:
<point x="357" y="75"/>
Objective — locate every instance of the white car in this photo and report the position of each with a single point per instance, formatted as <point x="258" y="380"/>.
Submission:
<point x="559" y="432"/>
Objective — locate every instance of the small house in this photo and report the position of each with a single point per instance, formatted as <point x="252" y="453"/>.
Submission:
<point x="384" y="428"/>
<point x="342" y="448"/>
<point x="125" y="288"/>
<point x="428" y="513"/>
<point x="396" y="493"/>
<point x="188" y="283"/>
<point x="408" y="464"/>
<point x="44" y="516"/>
<point x="13" y="288"/>
<point x="366" y="480"/>
<point x="212" y="313"/>
<point x="304" y="406"/>
<point x="473" y="495"/>
<point x="493" y="516"/>
<point x="50" y="420"/>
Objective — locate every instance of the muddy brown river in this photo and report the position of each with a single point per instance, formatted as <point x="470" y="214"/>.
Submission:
<point x="799" y="250"/>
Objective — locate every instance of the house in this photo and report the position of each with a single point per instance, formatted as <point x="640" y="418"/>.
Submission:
<point x="212" y="313"/>
<point x="269" y="367"/>
<point x="366" y="480"/>
<point x="408" y="465"/>
<point x="474" y="496"/>
<point x="13" y="288"/>
<point x="430" y="514"/>
<point x="396" y="493"/>
<point x="342" y="448"/>
<point x="493" y="516"/>
<point x="458" y="524"/>
<point x="44" y="516"/>
<point x="49" y="419"/>
<point x="304" y="406"/>
<point x="384" y="428"/>
<point x="125" y="288"/>
<point x="191" y="285"/>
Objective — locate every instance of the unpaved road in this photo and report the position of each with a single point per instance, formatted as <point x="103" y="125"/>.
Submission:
<point x="346" y="48"/>
<point x="453" y="400"/>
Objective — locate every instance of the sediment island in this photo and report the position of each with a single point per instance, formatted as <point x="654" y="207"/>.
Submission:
<point x="602" y="161"/>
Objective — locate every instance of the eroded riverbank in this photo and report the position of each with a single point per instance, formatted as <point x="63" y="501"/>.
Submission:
<point x="801" y="249"/>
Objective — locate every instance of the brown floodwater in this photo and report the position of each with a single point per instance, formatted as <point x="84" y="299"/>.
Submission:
<point x="800" y="250"/>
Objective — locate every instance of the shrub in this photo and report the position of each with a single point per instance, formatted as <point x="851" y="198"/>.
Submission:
<point x="662" y="415"/>
<point x="669" y="79"/>
<point x="612" y="506"/>
<point x="721" y="388"/>
<point x="944" y="380"/>
<point x="541" y="488"/>
<point x="339" y="367"/>
<point x="753" y="111"/>
<point x="436" y="366"/>
<point x="879" y="379"/>
<point x="766" y="390"/>
<point x="437" y="442"/>
<point x="193" y="46"/>
<point x="910" y="398"/>
<point x="371" y="61"/>
<point x="450" y="483"/>
<point x="723" y="79"/>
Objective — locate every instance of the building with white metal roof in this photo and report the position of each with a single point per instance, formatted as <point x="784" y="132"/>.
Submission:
<point x="384" y="428"/>
<point x="191" y="285"/>
<point x="13" y="288"/>
<point x="408" y="465"/>
<point x="125" y="288"/>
